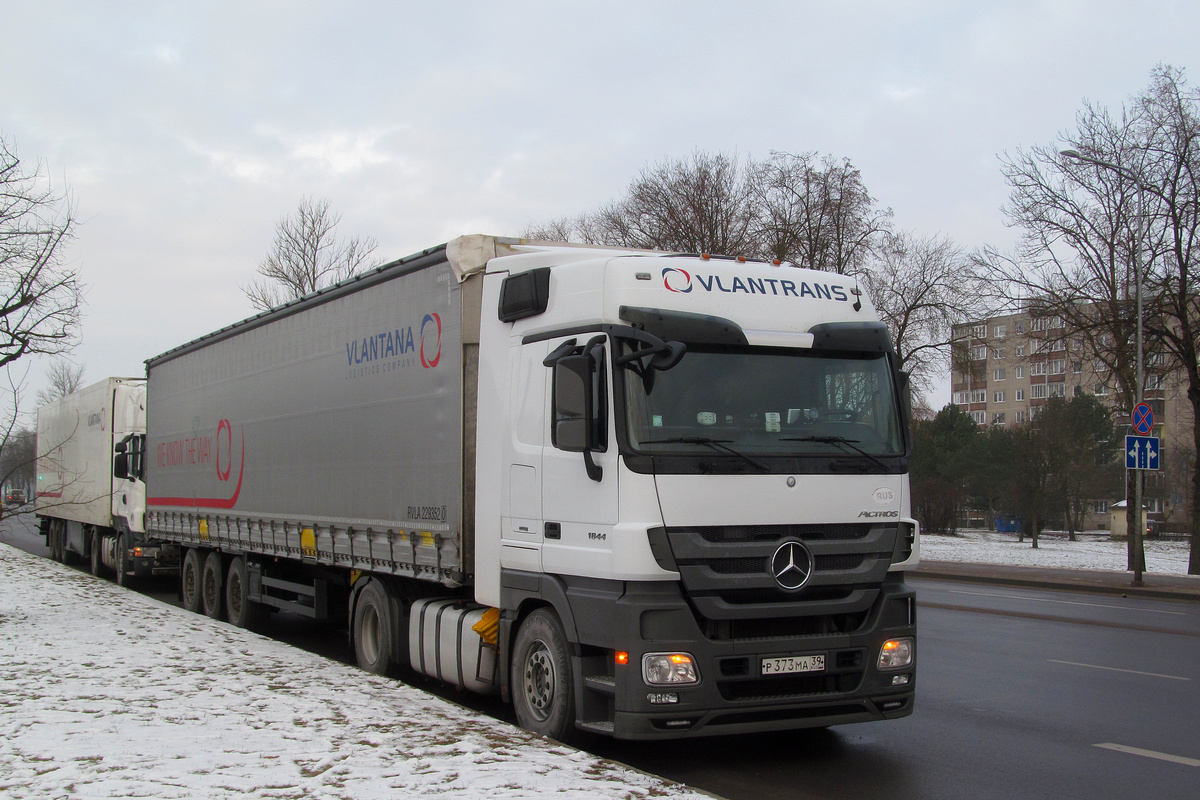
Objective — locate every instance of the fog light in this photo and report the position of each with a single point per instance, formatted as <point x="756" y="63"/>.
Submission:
<point x="662" y="698"/>
<point x="666" y="669"/>
<point x="900" y="680"/>
<point x="896" y="654"/>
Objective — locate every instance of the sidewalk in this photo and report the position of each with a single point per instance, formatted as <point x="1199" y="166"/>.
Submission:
<point x="1172" y="587"/>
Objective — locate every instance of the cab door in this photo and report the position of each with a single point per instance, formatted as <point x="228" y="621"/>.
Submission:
<point x="579" y="487"/>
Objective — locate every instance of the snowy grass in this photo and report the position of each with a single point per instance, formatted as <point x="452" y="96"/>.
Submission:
<point x="1093" y="550"/>
<point x="106" y="693"/>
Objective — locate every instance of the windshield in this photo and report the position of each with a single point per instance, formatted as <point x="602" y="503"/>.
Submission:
<point x="766" y="401"/>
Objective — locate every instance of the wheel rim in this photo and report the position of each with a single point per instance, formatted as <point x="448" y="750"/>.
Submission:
<point x="368" y="633"/>
<point x="540" y="680"/>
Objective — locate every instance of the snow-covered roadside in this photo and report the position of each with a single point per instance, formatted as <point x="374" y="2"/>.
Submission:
<point x="106" y="693"/>
<point x="1092" y="551"/>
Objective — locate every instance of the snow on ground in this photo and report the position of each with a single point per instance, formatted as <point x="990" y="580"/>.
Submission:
<point x="106" y="693"/>
<point x="1093" y="550"/>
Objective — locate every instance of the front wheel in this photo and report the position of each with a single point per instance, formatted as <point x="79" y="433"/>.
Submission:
<point x="121" y="560"/>
<point x="543" y="685"/>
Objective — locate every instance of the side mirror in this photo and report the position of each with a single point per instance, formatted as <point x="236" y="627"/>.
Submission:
<point x="121" y="466"/>
<point x="573" y="404"/>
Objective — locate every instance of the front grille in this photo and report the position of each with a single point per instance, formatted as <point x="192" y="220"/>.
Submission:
<point x="791" y="687"/>
<point x="775" y="533"/>
<point x="726" y="569"/>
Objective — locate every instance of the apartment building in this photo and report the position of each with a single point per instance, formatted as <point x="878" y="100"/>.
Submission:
<point x="1006" y="368"/>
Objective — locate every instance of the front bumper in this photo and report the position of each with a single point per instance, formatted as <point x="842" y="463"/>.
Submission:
<point x="733" y="696"/>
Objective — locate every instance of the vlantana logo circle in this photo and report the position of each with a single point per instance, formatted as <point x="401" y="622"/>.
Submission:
<point x="671" y="276"/>
<point x="434" y="323"/>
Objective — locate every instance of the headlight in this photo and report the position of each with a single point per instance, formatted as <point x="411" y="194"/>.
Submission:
<point x="896" y="653"/>
<point x="669" y="669"/>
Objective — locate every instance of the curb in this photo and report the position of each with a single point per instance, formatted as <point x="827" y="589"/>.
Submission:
<point x="1161" y="587"/>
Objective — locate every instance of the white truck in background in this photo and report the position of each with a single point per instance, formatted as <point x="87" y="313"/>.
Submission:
<point x="641" y="494"/>
<point x="87" y="504"/>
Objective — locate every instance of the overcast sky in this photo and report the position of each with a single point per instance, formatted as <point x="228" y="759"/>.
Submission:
<point x="186" y="130"/>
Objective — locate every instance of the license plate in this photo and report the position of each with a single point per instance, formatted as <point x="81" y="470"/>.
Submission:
<point x="792" y="664"/>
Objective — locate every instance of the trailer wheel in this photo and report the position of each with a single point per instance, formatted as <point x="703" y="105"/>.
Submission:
<point x="97" y="562"/>
<point x="239" y="608"/>
<point x="191" y="577"/>
<point x="121" y="560"/>
<point x="543" y="687"/>
<point x="374" y="627"/>
<point x="210" y="584"/>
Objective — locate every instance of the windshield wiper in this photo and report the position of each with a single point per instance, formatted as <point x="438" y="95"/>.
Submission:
<point x="715" y="444"/>
<point x="842" y="440"/>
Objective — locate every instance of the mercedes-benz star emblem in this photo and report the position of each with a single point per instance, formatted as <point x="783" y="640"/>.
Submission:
<point x="791" y="565"/>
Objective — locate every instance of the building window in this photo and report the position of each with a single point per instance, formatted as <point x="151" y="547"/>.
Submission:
<point x="1020" y="417"/>
<point x="979" y="331"/>
<point x="1101" y="389"/>
<point x="998" y="418"/>
<point x="1076" y="391"/>
<point x="1020" y="395"/>
<point x="1037" y="368"/>
<point x="978" y="353"/>
<point x="1038" y="391"/>
<point x="999" y="374"/>
<point x="1020" y="351"/>
<point x="1000" y="330"/>
<point x="1058" y="390"/>
<point x="1019" y="327"/>
<point x="1058" y="344"/>
<point x="1153" y="382"/>
<point x="979" y="416"/>
<point x="1057" y="366"/>
<point x="1018" y="372"/>
<point x="998" y="352"/>
<point x="1101" y="507"/>
<point x="997" y="397"/>
<point x="979" y="396"/>
<point x="960" y="398"/>
<point x="1100" y="366"/>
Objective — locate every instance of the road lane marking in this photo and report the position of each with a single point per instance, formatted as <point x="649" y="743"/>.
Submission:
<point x="1117" y="669"/>
<point x="1070" y="602"/>
<point x="1137" y="751"/>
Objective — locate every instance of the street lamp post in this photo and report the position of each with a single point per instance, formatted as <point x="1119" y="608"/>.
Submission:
<point x="1137" y="528"/>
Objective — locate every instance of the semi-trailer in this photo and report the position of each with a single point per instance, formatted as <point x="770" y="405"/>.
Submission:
<point x="641" y="494"/>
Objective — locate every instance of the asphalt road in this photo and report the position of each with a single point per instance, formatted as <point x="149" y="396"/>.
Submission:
<point x="1021" y="694"/>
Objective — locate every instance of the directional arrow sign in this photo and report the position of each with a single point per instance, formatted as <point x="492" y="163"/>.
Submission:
<point x="1141" y="452"/>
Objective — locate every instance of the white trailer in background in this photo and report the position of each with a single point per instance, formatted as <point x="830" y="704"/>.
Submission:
<point x="640" y="494"/>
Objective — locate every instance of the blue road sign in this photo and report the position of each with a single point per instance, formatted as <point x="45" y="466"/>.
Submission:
<point x="1143" y="419"/>
<point x="1141" y="452"/>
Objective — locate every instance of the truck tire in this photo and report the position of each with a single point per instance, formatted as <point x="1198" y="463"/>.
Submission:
<point x="543" y="686"/>
<point x="374" y="627"/>
<point x="121" y="560"/>
<point x="211" y="590"/>
<point x="55" y="540"/>
<point x="97" y="562"/>
<point x="191" y="577"/>
<point x="240" y="610"/>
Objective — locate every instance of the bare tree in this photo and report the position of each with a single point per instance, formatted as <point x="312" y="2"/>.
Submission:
<point x="39" y="296"/>
<point x="921" y="286"/>
<point x="1121" y="197"/>
<point x="816" y="212"/>
<point x="62" y="378"/>
<point x="307" y="256"/>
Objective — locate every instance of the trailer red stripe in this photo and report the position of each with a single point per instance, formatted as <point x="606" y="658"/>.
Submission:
<point x="206" y="502"/>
